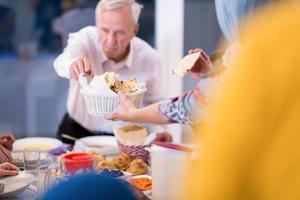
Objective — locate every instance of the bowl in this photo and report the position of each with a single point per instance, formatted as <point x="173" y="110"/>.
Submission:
<point x="100" y="105"/>
<point x="136" y="179"/>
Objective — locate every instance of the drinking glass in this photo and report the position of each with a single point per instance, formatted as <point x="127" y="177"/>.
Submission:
<point x="32" y="160"/>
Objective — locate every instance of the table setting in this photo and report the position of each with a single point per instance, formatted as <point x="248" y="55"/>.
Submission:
<point x="42" y="168"/>
<point x="132" y="155"/>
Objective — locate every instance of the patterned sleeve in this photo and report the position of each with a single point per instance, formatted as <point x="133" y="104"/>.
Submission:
<point x="182" y="109"/>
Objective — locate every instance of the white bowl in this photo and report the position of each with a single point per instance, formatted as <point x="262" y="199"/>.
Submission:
<point x="100" y="105"/>
<point x="43" y="143"/>
<point x="106" y="145"/>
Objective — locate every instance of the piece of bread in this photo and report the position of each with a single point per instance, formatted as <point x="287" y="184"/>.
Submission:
<point x="137" y="167"/>
<point x="186" y="64"/>
<point x="132" y="134"/>
<point x="116" y="84"/>
<point x="122" y="161"/>
<point x="105" y="164"/>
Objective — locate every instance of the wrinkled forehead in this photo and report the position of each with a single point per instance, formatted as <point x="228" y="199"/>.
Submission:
<point x="121" y="17"/>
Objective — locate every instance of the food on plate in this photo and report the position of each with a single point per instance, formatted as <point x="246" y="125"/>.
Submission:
<point x="132" y="134"/>
<point x="122" y="161"/>
<point x="106" y="164"/>
<point x="137" y="167"/>
<point x="41" y="146"/>
<point x="141" y="183"/>
<point x="186" y="64"/>
<point x="100" y="156"/>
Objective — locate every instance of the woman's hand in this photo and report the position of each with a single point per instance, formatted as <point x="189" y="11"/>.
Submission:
<point x="7" y="169"/>
<point x="5" y="155"/>
<point x="6" y="140"/>
<point x="125" y="111"/>
<point x="203" y="64"/>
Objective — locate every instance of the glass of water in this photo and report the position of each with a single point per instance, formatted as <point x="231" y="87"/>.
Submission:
<point x="32" y="160"/>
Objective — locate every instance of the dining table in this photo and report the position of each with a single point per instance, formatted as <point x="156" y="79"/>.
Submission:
<point x="40" y="186"/>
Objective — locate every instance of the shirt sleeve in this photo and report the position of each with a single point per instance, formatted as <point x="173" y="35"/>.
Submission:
<point x="77" y="47"/>
<point x="182" y="109"/>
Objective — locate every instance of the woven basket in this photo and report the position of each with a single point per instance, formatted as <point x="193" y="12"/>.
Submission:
<point x="135" y="151"/>
<point x="100" y="105"/>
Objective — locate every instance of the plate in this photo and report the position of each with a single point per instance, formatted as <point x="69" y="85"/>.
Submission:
<point x="43" y="143"/>
<point x="16" y="184"/>
<point x="147" y="192"/>
<point x="18" y="159"/>
<point x="106" y="145"/>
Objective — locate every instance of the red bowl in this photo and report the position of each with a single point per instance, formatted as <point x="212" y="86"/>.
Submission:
<point x="76" y="161"/>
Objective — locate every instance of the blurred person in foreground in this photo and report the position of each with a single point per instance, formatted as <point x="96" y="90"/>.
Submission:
<point x="92" y="187"/>
<point x="250" y="141"/>
<point x="190" y="107"/>
<point x="111" y="45"/>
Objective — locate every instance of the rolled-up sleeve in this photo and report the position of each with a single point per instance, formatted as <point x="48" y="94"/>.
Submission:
<point x="182" y="109"/>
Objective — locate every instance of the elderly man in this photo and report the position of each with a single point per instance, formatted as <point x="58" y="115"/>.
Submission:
<point x="110" y="46"/>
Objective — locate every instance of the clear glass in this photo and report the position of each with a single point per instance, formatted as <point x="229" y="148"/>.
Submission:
<point x="32" y="160"/>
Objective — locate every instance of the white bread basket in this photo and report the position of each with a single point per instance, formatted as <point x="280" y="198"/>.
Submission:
<point x="100" y="105"/>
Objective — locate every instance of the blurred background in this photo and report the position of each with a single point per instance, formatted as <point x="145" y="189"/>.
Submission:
<point x="34" y="32"/>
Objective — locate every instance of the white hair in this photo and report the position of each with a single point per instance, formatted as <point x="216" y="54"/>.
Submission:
<point x="136" y="8"/>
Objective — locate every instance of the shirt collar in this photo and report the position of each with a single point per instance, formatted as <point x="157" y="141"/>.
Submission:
<point x="127" y="61"/>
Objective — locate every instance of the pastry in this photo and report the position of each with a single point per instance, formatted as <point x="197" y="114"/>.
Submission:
<point x="105" y="164"/>
<point x="137" y="167"/>
<point x="122" y="161"/>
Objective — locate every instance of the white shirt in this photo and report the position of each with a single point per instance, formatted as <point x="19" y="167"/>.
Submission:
<point x="142" y="62"/>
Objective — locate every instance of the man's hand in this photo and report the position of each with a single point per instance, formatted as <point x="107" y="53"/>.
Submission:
<point x="5" y="155"/>
<point x="7" y="169"/>
<point x="202" y="65"/>
<point x="79" y="66"/>
<point x="124" y="111"/>
<point x="6" y="140"/>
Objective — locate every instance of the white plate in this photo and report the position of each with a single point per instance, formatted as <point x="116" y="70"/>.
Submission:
<point x="18" y="159"/>
<point x="106" y="145"/>
<point x="43" y="143"/>
<point x="15" y="184"/>
<point x="147" y="192"/>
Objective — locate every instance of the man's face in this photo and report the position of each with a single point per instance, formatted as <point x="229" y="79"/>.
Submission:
<point x="116" y="29"/>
